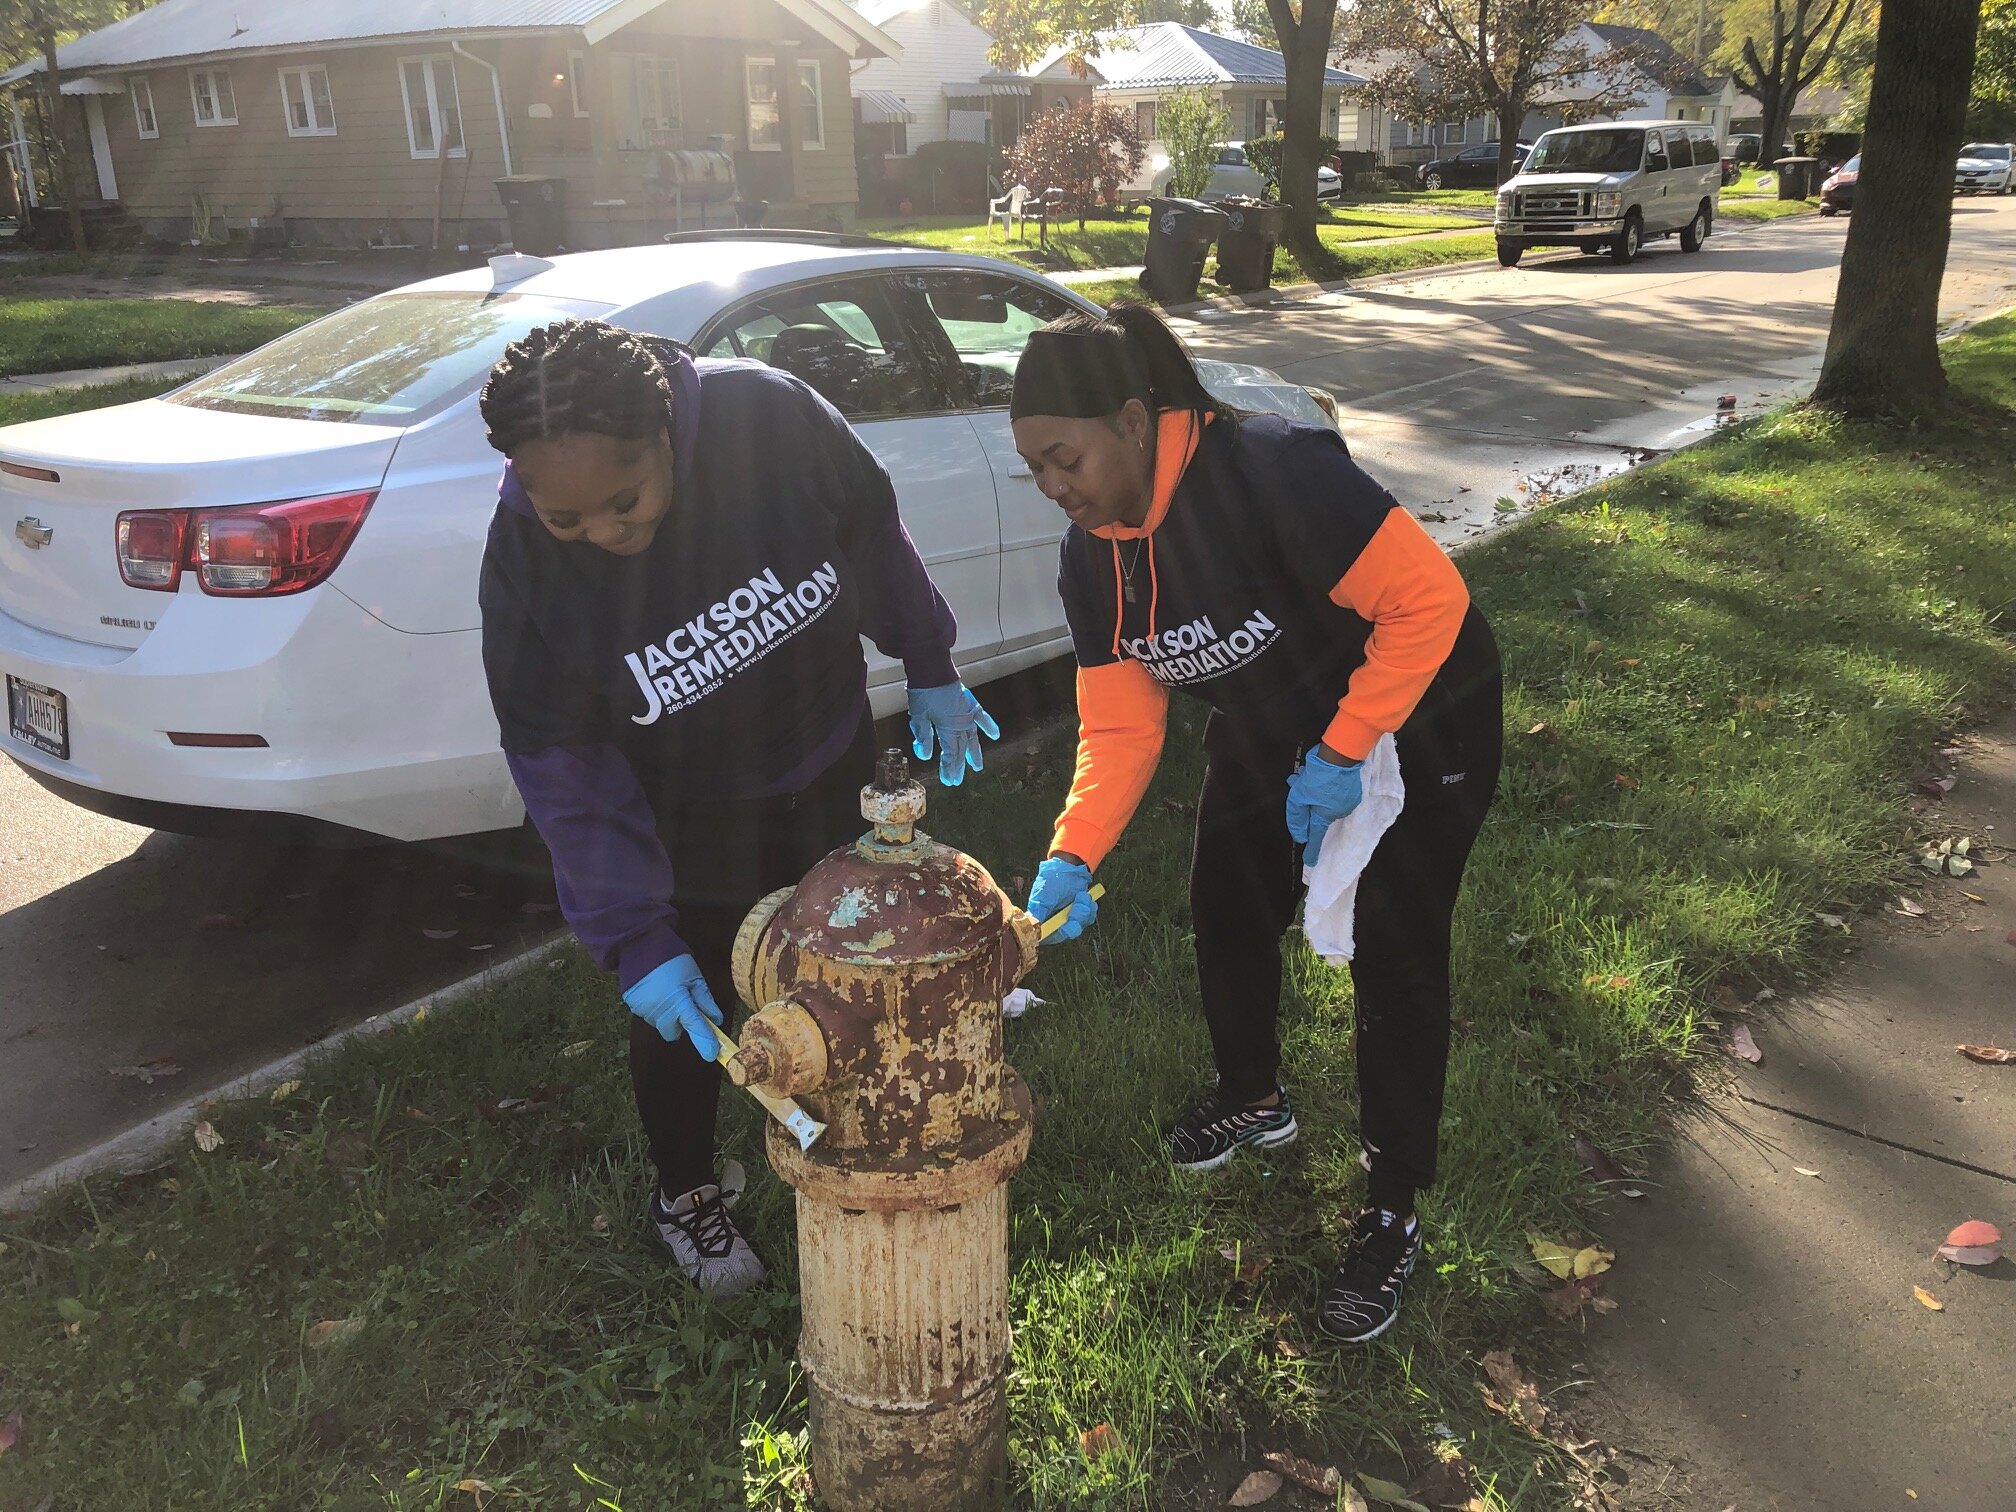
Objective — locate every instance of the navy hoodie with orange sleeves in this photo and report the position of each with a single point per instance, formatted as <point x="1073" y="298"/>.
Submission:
<point x="1273" y="580"/>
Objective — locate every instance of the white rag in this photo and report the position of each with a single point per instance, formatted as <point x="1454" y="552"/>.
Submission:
<point x="1347" y="847"/>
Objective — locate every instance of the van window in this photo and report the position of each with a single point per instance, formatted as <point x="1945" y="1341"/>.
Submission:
<point x="1619" y="151"/>
<point x="1656" y="160"/>
<point x="1706" y="154"/>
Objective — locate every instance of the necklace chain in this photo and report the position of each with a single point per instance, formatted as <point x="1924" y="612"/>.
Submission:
<point x="1127" y="567"/>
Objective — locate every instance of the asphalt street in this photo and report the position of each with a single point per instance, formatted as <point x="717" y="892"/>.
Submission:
<point x="123" y="949"/>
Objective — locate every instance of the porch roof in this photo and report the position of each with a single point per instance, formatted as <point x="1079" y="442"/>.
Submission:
<point x="176" y="30"/>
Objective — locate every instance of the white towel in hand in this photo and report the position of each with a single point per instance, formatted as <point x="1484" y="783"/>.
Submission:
<point x="1347" y="847"/>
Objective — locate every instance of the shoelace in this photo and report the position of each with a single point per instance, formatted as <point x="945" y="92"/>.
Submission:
<point x="1375" y="1252"/>
<point x="708" y="1225"/>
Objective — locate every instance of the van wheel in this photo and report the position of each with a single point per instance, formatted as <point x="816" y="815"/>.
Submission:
<point x="1509" y="253"/>
<point x="1628" y="245"/>
<point x="1696" y="231"/>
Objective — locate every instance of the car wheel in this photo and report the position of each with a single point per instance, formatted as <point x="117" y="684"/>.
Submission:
<point x="1509" y="253"/>
<point x="1630" y="242"/>
<point x="1826" y="209"/>
<point x="1695" y="232"/>
<point x="1431" y="181"/>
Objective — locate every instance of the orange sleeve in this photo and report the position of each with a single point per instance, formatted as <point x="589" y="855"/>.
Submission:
<point x="1412" y="593"/>
<point x="1122" y="716"/>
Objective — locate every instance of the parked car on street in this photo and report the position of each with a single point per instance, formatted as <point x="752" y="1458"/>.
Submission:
<point x="249" y="606"/>
<point x="1837" y="194"/>
<point x="1748" y="147"/>
<point x="1612" y="186"/>
<point x="1235" y="176"/>
<point x="1472" y="168"/>
<point x="1985" y="168"/>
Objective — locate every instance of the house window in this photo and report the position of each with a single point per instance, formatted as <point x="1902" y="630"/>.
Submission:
<point x="811" y="107"/>
<point x="433" y="106"/>
<point x="305" y="93"/>
<point x="1491" y="128"/>
<point x="1344" y="126"/>
<point x="1454" y="133"/>
<point x="210" y="93"/>
<point x="143" y="108"/>
<point x="766" y="133"/>
<point x="577" y="84"/>
<point x="1144" y="119"/>
<point x="648" y="103"/>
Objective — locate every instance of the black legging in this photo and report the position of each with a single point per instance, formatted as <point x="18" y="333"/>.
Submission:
<point x="725" y="857"/>
<point x="1246" y="878"/>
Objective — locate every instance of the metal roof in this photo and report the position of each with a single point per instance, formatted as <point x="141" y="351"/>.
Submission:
<point x="210" y="28"/>
<point x="881" y="106"/>
<point x="1169" y="55"/>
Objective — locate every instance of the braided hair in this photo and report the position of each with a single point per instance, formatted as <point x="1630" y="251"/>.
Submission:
<point x="571" y="376"/>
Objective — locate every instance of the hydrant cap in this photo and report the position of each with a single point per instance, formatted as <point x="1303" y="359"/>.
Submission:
<point x="937" y="906"/>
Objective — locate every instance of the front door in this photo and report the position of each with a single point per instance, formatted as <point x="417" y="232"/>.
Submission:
<point x="101" y="148"/>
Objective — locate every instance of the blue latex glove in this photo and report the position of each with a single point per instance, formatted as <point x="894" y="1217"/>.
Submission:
<point x="674" y="1000"/>
<point x="955" y="719"/>
<point x="1062" y="885"/>
<point x="1319" y="794"/>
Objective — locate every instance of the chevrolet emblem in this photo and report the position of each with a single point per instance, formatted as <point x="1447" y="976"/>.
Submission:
<point x="32" y="533"/>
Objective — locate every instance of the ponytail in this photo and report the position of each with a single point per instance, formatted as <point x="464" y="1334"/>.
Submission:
<point x="1172" y="377"/>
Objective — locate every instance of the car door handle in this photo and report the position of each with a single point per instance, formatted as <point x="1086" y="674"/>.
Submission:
<point x="1020" y="472"/>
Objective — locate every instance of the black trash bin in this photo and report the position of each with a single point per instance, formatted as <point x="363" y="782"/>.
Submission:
<point x="536" y="206"/>
<point x="1180" y="233"/>
<point x="1246" y="243"/>
<point x="1798" y="177"/>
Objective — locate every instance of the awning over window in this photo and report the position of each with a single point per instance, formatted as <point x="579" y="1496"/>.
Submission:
<point x="996" y="86"/>
<point x="93" y="86"/>
<point x="884" y="107"/>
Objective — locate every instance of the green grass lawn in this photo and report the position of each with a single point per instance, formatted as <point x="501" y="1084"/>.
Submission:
<point x="1723" y="672"/>
<point x="1764" y="209"/>
<point x="54" y="335"/>
<point x="18" y="406"/>
<point x="1122" y="243"/>
<point x="1471" y="198"/>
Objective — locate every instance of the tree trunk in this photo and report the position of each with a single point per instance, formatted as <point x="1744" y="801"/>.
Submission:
<point x="1509" y="122"/>
<point x="1883" y="347"/>
<point x="1305" y="51"/>
<point x="59" y="141"/>
<point x="1777" y="116"/>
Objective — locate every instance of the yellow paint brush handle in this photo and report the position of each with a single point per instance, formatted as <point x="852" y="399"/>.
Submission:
<point x="803" y="1126"/>
<point x="1056" y="921"/>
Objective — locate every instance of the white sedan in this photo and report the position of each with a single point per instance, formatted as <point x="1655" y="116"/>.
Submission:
<point x="249" y="606"/>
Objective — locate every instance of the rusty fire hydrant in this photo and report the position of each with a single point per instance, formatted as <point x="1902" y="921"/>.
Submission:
<point x="877" y="986"/>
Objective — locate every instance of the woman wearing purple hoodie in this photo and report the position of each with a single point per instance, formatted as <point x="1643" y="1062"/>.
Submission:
<point x="684" y="557"/>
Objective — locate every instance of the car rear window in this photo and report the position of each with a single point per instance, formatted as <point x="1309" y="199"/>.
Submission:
<point x="392" y="360"/>
<point x="1588" y="152"/>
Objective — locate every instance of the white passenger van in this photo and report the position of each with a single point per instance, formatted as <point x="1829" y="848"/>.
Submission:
<point x="1612" y="186"/>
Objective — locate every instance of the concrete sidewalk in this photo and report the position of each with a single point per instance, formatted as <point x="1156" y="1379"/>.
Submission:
<point x="1767" y="1353"/>
<point x="179" y="367"/>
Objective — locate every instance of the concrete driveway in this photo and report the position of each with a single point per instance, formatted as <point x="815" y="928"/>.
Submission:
<point x="120" y="948"/>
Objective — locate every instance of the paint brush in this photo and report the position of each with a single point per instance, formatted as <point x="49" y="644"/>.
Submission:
<point x="1056" y="921"/>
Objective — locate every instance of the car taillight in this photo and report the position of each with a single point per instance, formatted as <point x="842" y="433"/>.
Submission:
<point x="150" y="548"/>
<point x="244" y="551"/>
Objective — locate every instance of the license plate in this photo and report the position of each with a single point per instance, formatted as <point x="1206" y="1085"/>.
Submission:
<point x="40" y="717"/>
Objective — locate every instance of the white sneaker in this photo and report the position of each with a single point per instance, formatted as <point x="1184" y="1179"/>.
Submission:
<point x="701" y="1236"/>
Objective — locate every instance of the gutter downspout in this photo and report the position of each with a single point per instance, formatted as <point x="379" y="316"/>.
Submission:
<point x="496" y="93"/>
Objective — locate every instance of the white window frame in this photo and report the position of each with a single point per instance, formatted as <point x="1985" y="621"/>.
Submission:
<point x="433" y="104"/>
<point x="212" y="75"/>
<point x="577" y="65"/>
<point x="141" y="88"/>
<point x="629" y="68"/>
<point x="811" y="66"/>
<point x="778" y="101"/>
<point x="298" y="75"/>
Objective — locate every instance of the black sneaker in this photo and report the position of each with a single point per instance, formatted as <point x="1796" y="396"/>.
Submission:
<point x="1204" y="1138"/>
<point x="1364" y="1296"/>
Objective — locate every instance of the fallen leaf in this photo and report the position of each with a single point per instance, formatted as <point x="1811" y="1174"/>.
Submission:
<point x="1569" y="1298"/>
<point x="146" y="1073"/>
<point x="1928" y="1299"/>
<point x="1450" y="1482"/>
<point x="1910" y="909"/>
<point x="1606" y="1171"/>
<point x="476" y="1487"/>
<point x="1569" y="1262"/>
<point x="420" y="1116"/>
<point x="1099" y="1441"/>
<point x="207" y="1137"/>
<point x="1988" y="1055"/>
<point x="1247" y="1265"/>
<point x="1973" y="1243"/>
<point x="1539" y="729"/>
<point x="1805" y="1171"/>
<point x="1389" y="1493"/>
<point x="10" y="1430"/>
<point x="72" y="1311"/>
<point x="1515" y="1396"/>
<point x="601" y="1223"/>
<point x="1743" y="1045"/>
<point x="332" y="1331"/>
<point x="579" y="1047"/>
<point x="1324" y="1480"/>
<point x="1260" y="1486"/>
<point x="284" y="1091"/>
<point x="1833" y="921"/>
<point x="184" y="1334"/>
<point x="538" y="1100"/>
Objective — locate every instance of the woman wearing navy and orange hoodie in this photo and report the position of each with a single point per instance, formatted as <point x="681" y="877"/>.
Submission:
<point x="683" y="561"/>
<point x="1247" y="561"/>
